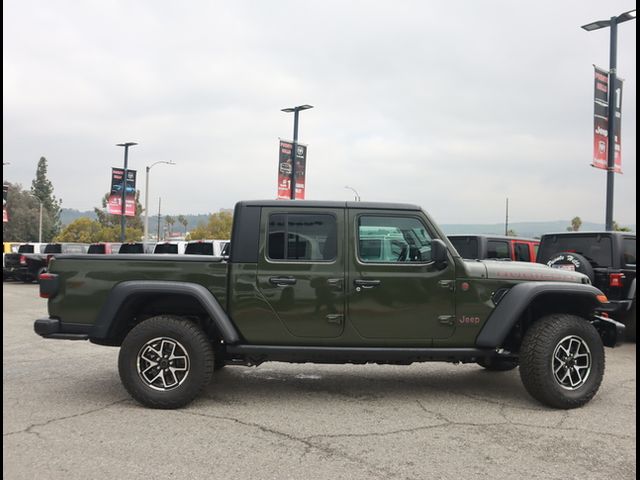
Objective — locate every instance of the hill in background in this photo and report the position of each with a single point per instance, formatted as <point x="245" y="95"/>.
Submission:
<point x="522" y="229"/>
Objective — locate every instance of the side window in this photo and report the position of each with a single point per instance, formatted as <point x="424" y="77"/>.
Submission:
<point x="302" y="237"/>
<point x="522" y="252"/>
<point x="497" y="249"/>
<point x="393" y="240"/>
<point x="629" y="245"/>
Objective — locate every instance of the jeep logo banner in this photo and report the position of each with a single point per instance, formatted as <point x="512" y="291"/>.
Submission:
<point x="285" y="168"/>
<point x="601" y="122"/>
<point x="115" y="196"/>
<point x="5" y="215"/>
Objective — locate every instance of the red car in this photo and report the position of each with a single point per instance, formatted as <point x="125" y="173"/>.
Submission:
<point x="495" y="247"/>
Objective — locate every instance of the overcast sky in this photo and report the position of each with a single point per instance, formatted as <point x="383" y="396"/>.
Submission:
<point x="451" y="105"/>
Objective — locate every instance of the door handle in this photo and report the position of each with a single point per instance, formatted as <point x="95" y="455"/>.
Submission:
<point x="366" y="283"/>
<point x="282" y="281"/>
<point x="335" y="283"/>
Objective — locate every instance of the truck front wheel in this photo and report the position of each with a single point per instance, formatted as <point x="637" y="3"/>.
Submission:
<point x="562" y="361"/>
<point x="165" y="362"/>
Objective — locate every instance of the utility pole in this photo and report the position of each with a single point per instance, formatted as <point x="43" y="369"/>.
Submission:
<point x="294" y="153"/>
<point x="506" y="219"/>
<point x="613" y="98"/>
<point x="159" y="202"/>
<point x="123" y="199"/>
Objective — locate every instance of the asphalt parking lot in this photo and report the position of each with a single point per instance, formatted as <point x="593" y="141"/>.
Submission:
<point x="66" y="415"/>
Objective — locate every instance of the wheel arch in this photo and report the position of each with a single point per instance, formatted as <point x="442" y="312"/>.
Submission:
<point x="526" y="302"/>
<point x="130" y="302"/>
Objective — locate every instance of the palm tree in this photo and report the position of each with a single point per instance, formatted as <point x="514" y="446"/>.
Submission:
<point x="169" y="220"/>
<point x="183" y="221"/>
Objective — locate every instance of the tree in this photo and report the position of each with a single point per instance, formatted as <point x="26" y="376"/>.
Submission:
<point x="618" y="228"/>
<point x="183" y="221"/>
<point x="169" y="220"/>
<point x="576" y="223"/>
<point x="24" y="215"/>
<point x="42" y="188"/>
<point x="217" y="228"/>
<point x="81" y="230"/>
<point x="512" y="233"/>
<point x="110" y="224"/>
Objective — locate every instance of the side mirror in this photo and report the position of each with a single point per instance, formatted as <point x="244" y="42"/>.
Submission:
<point x="439" y="253"/>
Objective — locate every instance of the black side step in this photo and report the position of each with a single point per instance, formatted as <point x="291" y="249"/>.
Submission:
<point x="256" y="354"/>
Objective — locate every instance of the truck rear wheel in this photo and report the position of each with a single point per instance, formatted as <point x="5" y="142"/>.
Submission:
<point x="165" y="362"/>
<point x="562" y="361"/>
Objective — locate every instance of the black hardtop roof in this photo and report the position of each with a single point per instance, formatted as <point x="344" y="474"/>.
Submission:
<point x="589" y="232"/>
<point x="498" y="237"/>
<point x="327" y="204"/>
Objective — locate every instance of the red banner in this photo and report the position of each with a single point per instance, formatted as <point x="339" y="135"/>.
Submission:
<point x="114" y="204"/>
<point x="285" y="168"/>
<point x="601" y="121"/>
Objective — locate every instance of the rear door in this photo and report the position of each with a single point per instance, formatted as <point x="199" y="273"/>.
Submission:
<point x="301" y="269"/>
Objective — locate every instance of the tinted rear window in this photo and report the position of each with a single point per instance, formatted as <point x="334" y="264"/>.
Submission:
<point x="596" y="248"/>
<point x="166" y="248"/>
<point x="467" y="247"/>
<point x="199" y="249"/>
<point x="97" y="249"/>
<point x="522" y="252"/>
<point x="629" y="245"/>
<point x="25" y="249"/>
<point x="498" y="249"/>
<point x="53" y="248"/>
<point x="131" y="248"/>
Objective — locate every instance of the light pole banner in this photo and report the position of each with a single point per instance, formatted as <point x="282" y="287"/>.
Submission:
<point x="601" y="120"/>
<point x="114" y="204"/>
<point x="285" y="168"/>
<point x="5" y="214"/>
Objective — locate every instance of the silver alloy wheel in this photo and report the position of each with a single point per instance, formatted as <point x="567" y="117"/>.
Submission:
<point x="571" y="362"/>
<point x="163" y="364"/>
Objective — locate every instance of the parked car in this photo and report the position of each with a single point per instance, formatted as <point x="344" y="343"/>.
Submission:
<point x="607" y="258"/>
<point x="207" y="247"/>
<point x="31" y="260"/>
<point x="495" y="247"/>
<point x="299" y="287"/>
<point x="170" y="247"/>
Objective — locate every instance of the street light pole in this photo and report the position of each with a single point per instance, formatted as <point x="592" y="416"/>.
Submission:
<point x="354" y="191"/>
<point x="612" y="23"/>
<point x="124" y="188"/>
<point x="145" y="238"/>
<point x="295" y="111"/>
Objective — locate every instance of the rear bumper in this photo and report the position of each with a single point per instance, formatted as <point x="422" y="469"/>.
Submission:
<point x="54" y="328"/>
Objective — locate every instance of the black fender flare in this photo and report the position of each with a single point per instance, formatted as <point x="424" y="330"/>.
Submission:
<point x="518" y="298"/>
<point x="107" y="321"/>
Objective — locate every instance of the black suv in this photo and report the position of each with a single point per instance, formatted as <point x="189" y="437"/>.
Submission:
<point x="607" y="258"/>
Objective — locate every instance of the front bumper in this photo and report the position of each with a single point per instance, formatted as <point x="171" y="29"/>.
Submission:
<point x="616" y="307"/>
<point x="54" y="328"/>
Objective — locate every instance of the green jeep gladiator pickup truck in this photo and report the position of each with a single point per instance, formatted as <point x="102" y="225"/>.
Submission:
<point x="330" y="282"/>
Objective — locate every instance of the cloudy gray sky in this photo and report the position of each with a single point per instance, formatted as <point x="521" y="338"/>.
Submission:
<point x="451" y="105"/>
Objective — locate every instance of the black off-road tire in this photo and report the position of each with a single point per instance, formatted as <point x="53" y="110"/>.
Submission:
<point x="537" y="360"/>
<point x="498" y="364"/>
<point x="191" y="347"/>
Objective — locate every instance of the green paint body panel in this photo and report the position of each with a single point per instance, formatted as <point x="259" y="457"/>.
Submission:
<point x="415" y="304"/>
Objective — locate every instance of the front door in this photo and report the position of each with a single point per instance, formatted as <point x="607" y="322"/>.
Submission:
<point x="301" y="269"/>
<point x="395" y="290"/>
